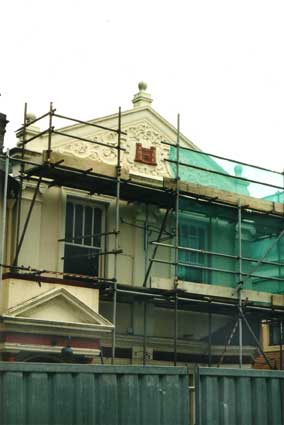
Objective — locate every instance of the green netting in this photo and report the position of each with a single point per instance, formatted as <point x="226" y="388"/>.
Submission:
<point x="210" y="235"/>
<point x="232" y="176"/>
<point x="263" y="240"/>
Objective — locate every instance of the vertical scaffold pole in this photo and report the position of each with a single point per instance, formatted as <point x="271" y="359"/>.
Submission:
<point x="116" y="240"/>
<point x="281" y="345"/>
<point x="209" y="336"/>
<point x="146" y="228"/>
<point x="49" y="131"/>
<point x="22" y="171"/>
<point x="281" y="321"/>
<point x="3" y="225"/>
<point x="177" y="239"/>
<point x="240" y="285"/>
<point x="146" y="224"/>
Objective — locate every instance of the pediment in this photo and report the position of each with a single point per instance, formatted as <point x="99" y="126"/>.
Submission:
<point x="129" y="118"/>
<point x="142" y="125"/>
<point x="143" y="132"/>
<point x="58" y="306"/>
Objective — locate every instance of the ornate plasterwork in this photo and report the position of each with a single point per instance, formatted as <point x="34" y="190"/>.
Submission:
<point x="141" y="132"/>
<point x="93" y="150"/>
<point x="149" y="137"/>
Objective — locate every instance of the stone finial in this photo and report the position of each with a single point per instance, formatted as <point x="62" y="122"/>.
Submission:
<point x="142" y="98"/>
<point x="30" y="117"/>
<point x="142" y="86"/>
<point x="31" y="128"/>
<point x="238" y="170"/>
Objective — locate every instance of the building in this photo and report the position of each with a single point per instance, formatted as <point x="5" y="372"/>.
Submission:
<point x="125" y="239"/>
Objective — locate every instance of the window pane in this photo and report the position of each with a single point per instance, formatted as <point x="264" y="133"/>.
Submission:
<point x="274" y="333"/>
<point x="97" y="226"/>
<point x="81" y="260"/>
<point x="191" y="236"/>
<point x="81" y="251"/>
<point x="78" y="223"/>
<point x="88" y="225"/>
<point x="201" y="245"/>
<point x="69" y="222"/>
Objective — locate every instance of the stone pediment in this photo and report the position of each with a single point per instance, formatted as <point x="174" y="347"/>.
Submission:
<point x="57" y="306"/>
<point x="139" y="133"/>
<point x="142" y="126"/>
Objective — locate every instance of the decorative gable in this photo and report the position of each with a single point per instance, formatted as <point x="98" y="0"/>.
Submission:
<point x="144" y="153"/>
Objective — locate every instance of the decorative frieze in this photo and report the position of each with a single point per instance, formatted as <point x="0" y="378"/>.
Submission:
<point x="143" y="154"/>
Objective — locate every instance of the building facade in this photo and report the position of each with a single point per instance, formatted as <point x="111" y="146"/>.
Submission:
<point x="126" y="243"/>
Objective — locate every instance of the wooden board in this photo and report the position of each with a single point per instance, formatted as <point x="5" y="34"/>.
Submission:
<point x="228" y="197"/>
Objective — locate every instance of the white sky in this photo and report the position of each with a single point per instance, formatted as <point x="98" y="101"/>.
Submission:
<point x="219" y="63"/>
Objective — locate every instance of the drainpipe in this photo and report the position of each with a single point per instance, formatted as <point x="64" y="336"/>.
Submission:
<point x="3" y="123"/>
<point x="4" y="191"/>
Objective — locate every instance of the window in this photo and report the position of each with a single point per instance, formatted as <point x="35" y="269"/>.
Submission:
<point x="275" y="334"/>
<point x="191" y="235"/>
<point x="83" y="242"/>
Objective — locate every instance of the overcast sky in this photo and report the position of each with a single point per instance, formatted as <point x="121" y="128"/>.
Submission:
<point x="219" y="63"/>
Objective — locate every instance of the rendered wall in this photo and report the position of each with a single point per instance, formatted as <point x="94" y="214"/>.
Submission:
<point x="1" y="208"/>
<point x="17" y="291"/>
<point x="193" y="330"/>
<point x="42" y="248"/>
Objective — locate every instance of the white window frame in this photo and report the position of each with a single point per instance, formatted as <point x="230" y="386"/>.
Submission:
<point x="89" y="200"/>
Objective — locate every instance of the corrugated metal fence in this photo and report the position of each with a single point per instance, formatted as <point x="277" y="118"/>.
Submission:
<point x="239" y="397"/>
<point x="59" y="394"/>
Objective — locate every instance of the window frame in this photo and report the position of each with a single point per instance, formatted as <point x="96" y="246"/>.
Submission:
<point x="86" y="200"/>
<point x="198" y="223"/>
<point x="275" y="334"/>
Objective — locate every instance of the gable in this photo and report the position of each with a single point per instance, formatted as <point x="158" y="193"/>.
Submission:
<point x="142" y="126"/>
<point x="59" y="309"/>
<point x="140" y="132"/>
<point x="58" y="306"/>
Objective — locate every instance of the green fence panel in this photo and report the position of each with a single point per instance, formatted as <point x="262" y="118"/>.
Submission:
<point x="57" y="394"/>
<point x="239" y="397"/>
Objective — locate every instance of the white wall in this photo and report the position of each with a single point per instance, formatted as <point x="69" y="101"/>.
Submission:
<point x="41" y="247"/>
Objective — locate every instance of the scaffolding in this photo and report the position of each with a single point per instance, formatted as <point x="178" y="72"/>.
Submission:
<point x="176" y="196"/>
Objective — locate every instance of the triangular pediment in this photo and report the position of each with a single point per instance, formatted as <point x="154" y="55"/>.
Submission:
<point x="131" y="118"/>
<point x="142" y="125"/>
<point x="142" y="131"/>
<point x="57" y="306"/>
<point x="128" y="118"/>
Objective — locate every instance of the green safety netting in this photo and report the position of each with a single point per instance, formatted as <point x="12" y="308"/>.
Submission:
<point x="212" y="234"/>
<point x="233" y="176"/>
